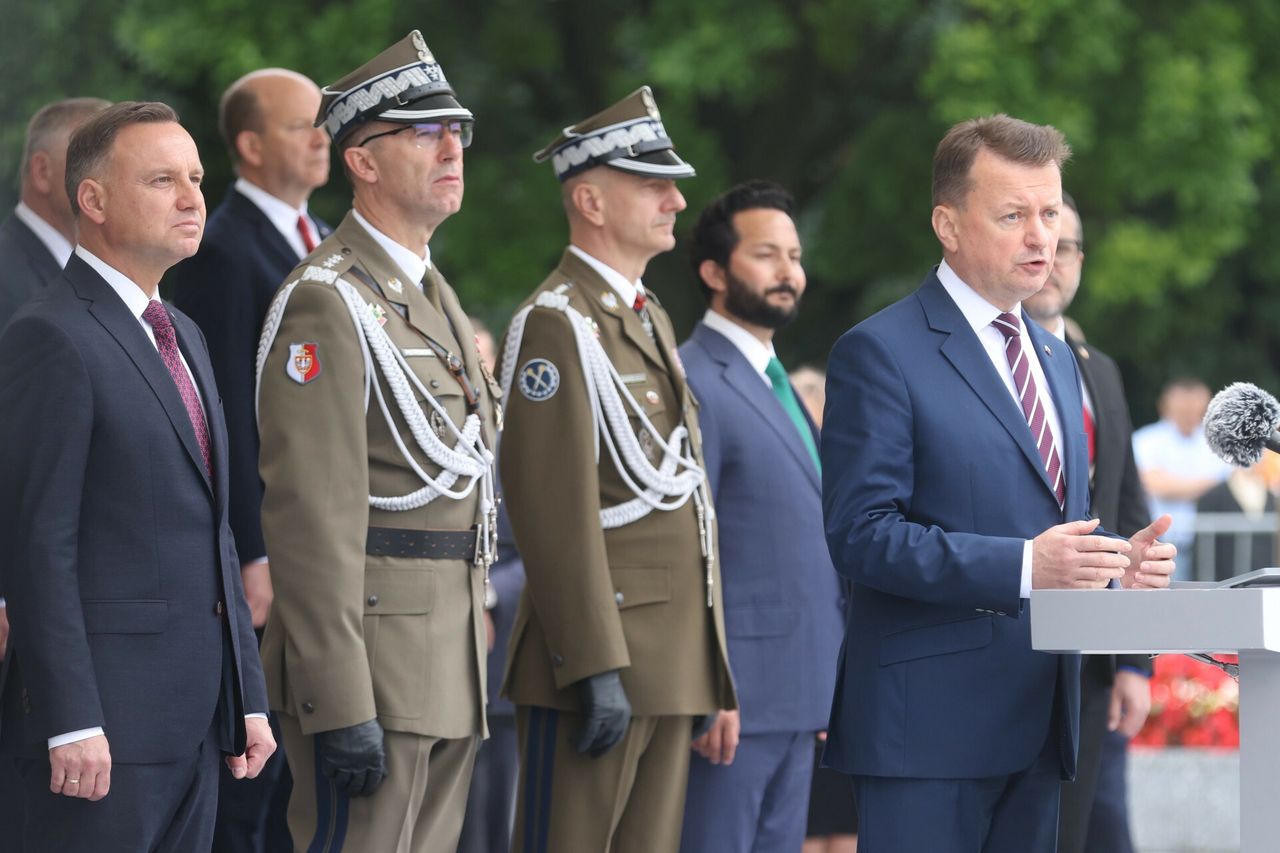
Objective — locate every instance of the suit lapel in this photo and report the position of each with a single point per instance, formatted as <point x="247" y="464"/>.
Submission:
<point x="742" y="378"/>
<point x="114" y="316"/>
<point x="966" y="354"/>
<point x="396" y="286"/>
<point x="202" y="371"/>
<point x="43" y="263"/>
<point x="245" y="210"/>
<point x="625" y="319"/>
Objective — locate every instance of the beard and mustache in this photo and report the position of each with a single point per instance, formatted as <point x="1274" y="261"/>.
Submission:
<point x="754" y="308"/>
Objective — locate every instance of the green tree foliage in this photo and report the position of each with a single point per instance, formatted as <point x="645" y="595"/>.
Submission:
<point x="1168" y="108"/>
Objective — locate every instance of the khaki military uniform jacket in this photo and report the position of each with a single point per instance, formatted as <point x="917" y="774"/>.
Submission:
<point x="632" y="598"/>
<point x="352" y="636"/>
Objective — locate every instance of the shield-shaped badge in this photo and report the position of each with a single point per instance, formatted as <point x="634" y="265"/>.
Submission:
<point x="304" y="362"/>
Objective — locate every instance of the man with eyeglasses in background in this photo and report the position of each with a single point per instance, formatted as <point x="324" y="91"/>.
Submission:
<point x="377" y="428"/>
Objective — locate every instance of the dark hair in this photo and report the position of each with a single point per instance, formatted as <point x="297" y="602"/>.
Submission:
<point x="1009" y="138"/>
<point x="714" y="238"/>
<point x="238" y="111"/>
<point x="53" y="119"/>
<point x="1069" y="202"/>
<point x="92" y="141"/>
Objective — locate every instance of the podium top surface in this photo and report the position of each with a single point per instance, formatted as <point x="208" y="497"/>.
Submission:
<point x="1186" y="619"/>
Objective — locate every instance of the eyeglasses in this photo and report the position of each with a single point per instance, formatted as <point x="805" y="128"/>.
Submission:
<point x="431" y="131"/>
<point x="1069" y="250"/>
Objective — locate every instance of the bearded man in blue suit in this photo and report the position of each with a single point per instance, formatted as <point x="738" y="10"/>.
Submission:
<point x="956" y="480"/>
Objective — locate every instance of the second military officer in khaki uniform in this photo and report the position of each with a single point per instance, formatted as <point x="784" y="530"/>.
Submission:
<point x="377" y="422"/>
<point x="618" y="652"/>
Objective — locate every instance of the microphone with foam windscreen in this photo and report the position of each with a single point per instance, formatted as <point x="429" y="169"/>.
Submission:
<point x="1241" y="422"/>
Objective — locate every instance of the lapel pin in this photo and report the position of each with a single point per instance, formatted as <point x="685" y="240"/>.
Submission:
<point x="394" y="284"/>
<point x="609" y="301"/>
<point x="1048" y="351"/>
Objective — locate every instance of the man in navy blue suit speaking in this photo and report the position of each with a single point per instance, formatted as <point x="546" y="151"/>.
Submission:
<point x="956" y="480"/>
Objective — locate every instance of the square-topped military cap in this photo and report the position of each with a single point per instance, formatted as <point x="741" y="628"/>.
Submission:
<point x="403" y="84"/>
<point x="628" y="135"/>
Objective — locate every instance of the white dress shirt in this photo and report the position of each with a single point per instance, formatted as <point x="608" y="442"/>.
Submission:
<point x="757" y="353"/>
<point x="979" y="313"/>
<point x="47" y="234"/>
<point x="412" y="265"/>
<point x="626" y="290"/>
<point x="282" y="215"/>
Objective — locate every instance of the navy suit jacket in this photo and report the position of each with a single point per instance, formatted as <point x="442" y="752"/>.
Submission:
<point x="783" y="605"/>
<point x="227" y="288"/>
<point x="26" y="266"/>
<point x="931" y="487"/>
<point x="122" y="578"/>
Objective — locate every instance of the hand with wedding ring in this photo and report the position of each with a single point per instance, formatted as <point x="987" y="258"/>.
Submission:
<point x="81" y="769"/>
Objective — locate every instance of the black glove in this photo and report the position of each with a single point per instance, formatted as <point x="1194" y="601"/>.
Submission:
<point x="353" y="757"/>
<point x="606" y="712"/>
<point x="702" y="724"/>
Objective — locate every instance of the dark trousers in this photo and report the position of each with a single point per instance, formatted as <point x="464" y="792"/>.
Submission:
<point x="253" y="814"/>
<point x="1078" y="796"/>
<point x="164" y="808"/>
<point x="11" y="796"/>
<point x="491" y="803"/>
<point x="1017" y="813"/>
<point x="1109" y="821"/>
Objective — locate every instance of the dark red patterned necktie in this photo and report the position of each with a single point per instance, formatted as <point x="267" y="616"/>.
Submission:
<point x="1032" y="407"/>
<point x="167" y="344"/>
<point x="304" y="228"/>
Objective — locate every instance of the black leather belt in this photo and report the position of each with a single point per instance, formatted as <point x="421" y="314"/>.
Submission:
<point x="428" y="544"/>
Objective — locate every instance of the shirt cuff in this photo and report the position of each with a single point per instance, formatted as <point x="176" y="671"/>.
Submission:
<point x="1124" y="667"/>
<point x="258" y="714"/>
<point x="1" y="601"/>
<point x="72" y="737"/>
<point x="1025" y="587"/>
<point x="247" y="563"/>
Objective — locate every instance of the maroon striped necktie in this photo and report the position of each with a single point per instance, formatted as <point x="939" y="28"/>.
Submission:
<point x="167" y="343"/>
<point x="1032" y="406"/>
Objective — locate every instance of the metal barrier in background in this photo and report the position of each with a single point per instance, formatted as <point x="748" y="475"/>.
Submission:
<point x="1240" y="542"/>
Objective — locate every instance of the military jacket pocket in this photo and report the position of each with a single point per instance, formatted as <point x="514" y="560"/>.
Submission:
<point x="634" y="587"/>
<point x="397" y="606"/>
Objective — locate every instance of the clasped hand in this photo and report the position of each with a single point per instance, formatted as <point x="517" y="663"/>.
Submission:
<point x="1071" y="556"/>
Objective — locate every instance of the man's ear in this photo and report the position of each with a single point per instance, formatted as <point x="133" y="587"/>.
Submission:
<point x="946" y="226"/>
<point x="249" y="147"/>
<point x="40" y="173"/>
<point x="91" y="196"/>
<point x="588" y="200"/>
<point x="360" y="164"/>
<point x="713" y="276"/>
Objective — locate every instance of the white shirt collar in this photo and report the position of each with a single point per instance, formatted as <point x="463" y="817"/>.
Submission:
<point x="752" y="348"/>
<point x="976" y="309"/>
<point x="414" y="266"/>
<point x="134" y="297"/>
<point x="46" y="233"/>
<point x="627" y="290"/>
<point x="1060" y="331"/>
<point x="280" y="213"/>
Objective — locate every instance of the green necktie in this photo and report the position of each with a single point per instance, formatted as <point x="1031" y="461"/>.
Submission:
<point x="782" y="390"/>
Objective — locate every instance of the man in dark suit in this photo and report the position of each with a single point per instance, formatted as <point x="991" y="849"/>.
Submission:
<point x="1115" y="693"/>
<point x="132" y="665"/>
<point x="955" y="481"/>
<point x="36" y="239"/>
<point x="749" y="784"/>
<point x="255" y="237"/>
<point x="35" y="242"/>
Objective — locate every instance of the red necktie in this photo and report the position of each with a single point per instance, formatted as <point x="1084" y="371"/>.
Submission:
<point x="1032" y="408"/>
<point x="167" y="343"/>
<point x="1091" y="433"/>
<point x="304" y="228"/>
<point x="638" y="305"/>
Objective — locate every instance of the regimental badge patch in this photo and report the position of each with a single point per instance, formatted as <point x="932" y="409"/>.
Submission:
<point x="304" y="362"/>
<point x="539" y="380"/>
<point x="377" y="313"/>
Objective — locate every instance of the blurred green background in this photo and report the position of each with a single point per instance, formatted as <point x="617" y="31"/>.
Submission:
<point x="1170" y="107"/>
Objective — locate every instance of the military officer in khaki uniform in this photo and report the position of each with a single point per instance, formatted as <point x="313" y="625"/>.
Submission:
<point x="377" y="425"/>
<point x="618" y="652"/>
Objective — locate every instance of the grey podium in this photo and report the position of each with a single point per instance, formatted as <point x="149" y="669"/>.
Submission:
<point x="1193" y="618"/>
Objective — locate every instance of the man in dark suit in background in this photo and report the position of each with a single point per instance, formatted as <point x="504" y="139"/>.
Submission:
<point x="36" y="239"/>
<point x="955" y="481"/>
<point x="748" y="793"/>
<point x="255" y="237"/>
<point x="35" y="242"/>
<point x="1115" y="694"/>
<point x="132" y="666"/>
